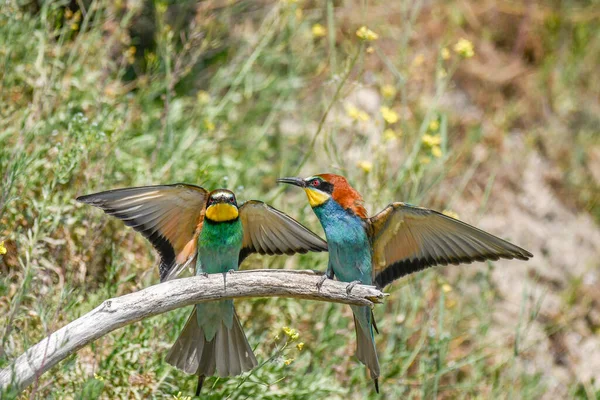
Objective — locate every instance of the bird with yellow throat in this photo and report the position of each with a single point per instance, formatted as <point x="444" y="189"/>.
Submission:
<point x="398" y="241"/>
<point x="190" y="226"/>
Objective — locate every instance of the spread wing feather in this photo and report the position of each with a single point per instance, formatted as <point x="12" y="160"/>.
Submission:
<point x="270" y="231"/>
<point x="407" y="239"/>
<point x="169" y="216"/>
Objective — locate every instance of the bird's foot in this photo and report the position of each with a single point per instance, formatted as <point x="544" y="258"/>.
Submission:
<point x="204" y="274"/>
<point x="324" y="277"/>
<point x="231" y="271"/>
<point x="351" y="286"/>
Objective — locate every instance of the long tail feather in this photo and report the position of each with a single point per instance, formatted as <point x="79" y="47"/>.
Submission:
<point x="373" y="322"/>
<point x="199" y="385"/>
<point x="227" y="354"/>
<point x="365" y="342"/>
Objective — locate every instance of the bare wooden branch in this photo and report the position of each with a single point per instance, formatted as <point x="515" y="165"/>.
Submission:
<point x="120" y="311"/>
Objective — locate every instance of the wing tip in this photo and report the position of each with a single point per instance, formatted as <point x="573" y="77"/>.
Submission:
<point x="527" y="255"/>
<point x="86" y="199"/>
<point x="519" y="254"/>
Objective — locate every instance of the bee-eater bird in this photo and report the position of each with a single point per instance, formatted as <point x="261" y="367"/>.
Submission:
<point x="186" y="223"/>
<point x="398" y="241"/>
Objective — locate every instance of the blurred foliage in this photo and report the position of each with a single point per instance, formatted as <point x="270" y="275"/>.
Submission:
<point x="99" y="94"/>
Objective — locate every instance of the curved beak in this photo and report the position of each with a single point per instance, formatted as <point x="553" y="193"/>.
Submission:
<point x="293" y="181"/>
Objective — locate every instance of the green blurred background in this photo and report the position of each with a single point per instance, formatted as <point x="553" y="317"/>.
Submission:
<point x="488" y="109"/>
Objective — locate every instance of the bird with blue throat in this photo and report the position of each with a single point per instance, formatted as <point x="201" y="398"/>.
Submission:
<point x="190" y="226"/>
<point x="399" y="240"/>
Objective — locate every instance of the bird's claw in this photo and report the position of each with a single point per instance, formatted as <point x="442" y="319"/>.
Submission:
<point x="322" y="280"/>
<point x="231" y="271"/>
<point x="204" y="274"/>
<point x="351" y="286"/>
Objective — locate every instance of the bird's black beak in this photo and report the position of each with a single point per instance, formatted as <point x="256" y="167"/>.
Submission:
<point x="293" y="181"/>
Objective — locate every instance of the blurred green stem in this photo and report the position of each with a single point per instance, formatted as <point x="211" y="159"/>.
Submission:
<point x="334" y="100"/>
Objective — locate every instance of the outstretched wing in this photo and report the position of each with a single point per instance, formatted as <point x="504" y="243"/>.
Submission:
<point x="269" y="231"/>
<point x="407" y="239"/>
<point x="169" y="216"/>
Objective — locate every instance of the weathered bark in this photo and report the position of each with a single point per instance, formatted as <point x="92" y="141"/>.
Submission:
<point x="120" y="311"/>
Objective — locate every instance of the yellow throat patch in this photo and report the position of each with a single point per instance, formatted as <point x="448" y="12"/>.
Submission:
<point x="222" y="212"/>
<point x="316" y="197"/>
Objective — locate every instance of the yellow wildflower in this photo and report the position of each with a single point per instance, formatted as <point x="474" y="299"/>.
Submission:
<point x="366" y="34"/>
<point x="288" y="331"/>
<point x="356" y="114"/>
<point x="450" y="214"/>
<point x="432" y="140"/>
<point x="418" y="60"/>
<point x="288" y="361"/>
<point x="366" y="166"/>
<point x="209" y="125"/>
<point x="464" y="48"/>
<point x="434" y="125"/>
<point x="98" y="377"/>
<point x="74" y="26"/>
<point x="291" y="333"/>
<point x="203" y="97"/>
<point x="318" y="30"/>
<point x="389" y="135"/>
<point x="388" y="91"/>
<point x="2" y="248"/>
<point x="424" y="160"/>
<point x="390" y="116"/>
<point x="68" y="13"/>
<point x="352" y="111"/>
<point x="130" y="54"/>
<point x="179" y="396"/>
<point x="446" y="288"/>
<point x="370" y="50"/>
<point x="445" y="53"/>
<point x="300" y="346"/>
<point x="436" y="151"/>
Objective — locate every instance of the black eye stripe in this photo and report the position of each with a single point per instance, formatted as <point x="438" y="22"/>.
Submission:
<point x="320" y="184"/>
<point x="326" y="187"/>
